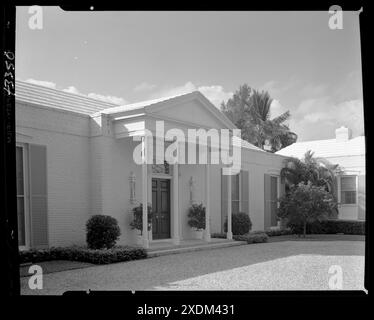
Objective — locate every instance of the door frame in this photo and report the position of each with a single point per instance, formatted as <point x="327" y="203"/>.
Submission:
<point x="26" y="195"/>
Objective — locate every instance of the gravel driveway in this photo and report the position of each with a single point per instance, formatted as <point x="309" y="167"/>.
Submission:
<point x="281" y="265"/>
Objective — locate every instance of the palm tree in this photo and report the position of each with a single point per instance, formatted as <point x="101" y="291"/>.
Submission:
<point x="249" y="110"/>
<point x="317" y="171"/>
<point x="268" y="131"/>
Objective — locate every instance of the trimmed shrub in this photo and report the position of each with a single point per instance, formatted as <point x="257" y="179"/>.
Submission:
<point x="257" y="238"/>
<point x="278" y="232"/>
<point x="218" y="235"/>
<point x="196" y="217"/>
<point x="253" y="237"/>
<point x="102" y="232"/>
<point x="82" y="254"/>
<point x="241" y="223"/>
<point x="331" y="227"/>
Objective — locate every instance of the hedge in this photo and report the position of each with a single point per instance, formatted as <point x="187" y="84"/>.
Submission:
<point x="218" y="235"/>
<point x="332" y="227"/>
<point x="83" y="254"/>
<point x="278" y="232"/>
<point x="252" y="237"/>
<point x="270" y="233"/>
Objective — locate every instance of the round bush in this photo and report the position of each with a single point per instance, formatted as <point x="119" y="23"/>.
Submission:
<point x="102" y="232"/>
<point x="241" y="223"/>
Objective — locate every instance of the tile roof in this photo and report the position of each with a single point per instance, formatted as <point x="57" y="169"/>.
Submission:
<point x="245" y="144"/>
<point x="146" y="103"/>
<point x="326" y="148"/>
<point x="40" y="95"/>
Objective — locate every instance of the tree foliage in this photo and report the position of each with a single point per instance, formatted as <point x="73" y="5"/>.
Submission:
<point x="317" y="171"/>
<point x="306" y="203"/>
<point x="250" y="111"/>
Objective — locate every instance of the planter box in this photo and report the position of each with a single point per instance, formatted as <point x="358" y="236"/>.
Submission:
<point x="139" y="238"/>
<point x="198" y="234"/>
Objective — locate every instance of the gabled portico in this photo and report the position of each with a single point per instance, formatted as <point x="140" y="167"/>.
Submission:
<point x="140" y="122"/>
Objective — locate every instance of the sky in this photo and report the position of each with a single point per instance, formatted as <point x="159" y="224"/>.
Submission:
<point x="126" y="57"/>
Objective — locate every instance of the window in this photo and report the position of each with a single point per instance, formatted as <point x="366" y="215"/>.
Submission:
<point x="348" y="190"/>
<point x="239" y="194"/>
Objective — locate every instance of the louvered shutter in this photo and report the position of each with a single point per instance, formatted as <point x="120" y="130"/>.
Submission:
<point x="244" y="191"/>
<point x="223" y="200"/>
<point x="267" y="201"/>
<point x="38" y="195"/>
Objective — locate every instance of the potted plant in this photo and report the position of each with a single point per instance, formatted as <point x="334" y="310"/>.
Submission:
<point x="196" y="216"/>
<point x="137" y="223"/>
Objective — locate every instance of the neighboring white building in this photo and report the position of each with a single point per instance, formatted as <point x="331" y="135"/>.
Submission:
<point x="75" y="160"/>
<point x="349" y="153"/>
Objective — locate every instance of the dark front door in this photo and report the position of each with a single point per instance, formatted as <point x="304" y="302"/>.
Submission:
<point x="161" y="208"/>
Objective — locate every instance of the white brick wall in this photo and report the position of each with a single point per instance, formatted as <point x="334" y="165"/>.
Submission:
<point x="66" y="137"/>
<point x="88" y="173"/>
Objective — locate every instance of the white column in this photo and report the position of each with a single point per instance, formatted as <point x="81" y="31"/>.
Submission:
<point x="339" y="189"/>
<point x="145" y="191"/>
<point x="229" y="209"/>
<point x="176" y="237"/>
<point x="207" y="203"/>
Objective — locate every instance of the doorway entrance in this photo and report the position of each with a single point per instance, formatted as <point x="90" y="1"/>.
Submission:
<point x="160" y="208"/>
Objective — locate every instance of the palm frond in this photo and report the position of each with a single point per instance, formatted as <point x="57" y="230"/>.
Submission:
<point x="282" y="118"/>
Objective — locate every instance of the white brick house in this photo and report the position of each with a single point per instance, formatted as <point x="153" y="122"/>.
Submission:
<point x="349" y="154"/>
<point x="75" y="159"/>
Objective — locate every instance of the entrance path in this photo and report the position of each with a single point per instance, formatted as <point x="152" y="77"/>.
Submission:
<point x="291" y="264"/>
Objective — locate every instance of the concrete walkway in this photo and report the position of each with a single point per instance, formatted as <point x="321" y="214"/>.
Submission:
<point x="280" y="265"/>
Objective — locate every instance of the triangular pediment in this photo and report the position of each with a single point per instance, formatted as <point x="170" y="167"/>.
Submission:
<point x="195" y="110"/>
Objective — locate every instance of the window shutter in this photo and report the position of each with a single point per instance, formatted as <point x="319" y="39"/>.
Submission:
<point x="335" y="188"/>
<point x="267" y="201"/>
<point x="361" y="197"/>
<point x="223" y="200"/>
<point x="235" y="197"/>
<point x="38" y="195"/>
<point x="245" y="191"/>
<point x="282" y="188"/>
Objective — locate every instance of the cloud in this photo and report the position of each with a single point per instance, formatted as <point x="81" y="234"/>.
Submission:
<point x="74" y="90"/>
<point x="47" y="84"/>
<point x="71" y="89"/>
<point x="174" y="91"/>
<point x="318" y="118"/>
<point x="144" y="86"/>
<point x="276" y="89"/>
<point x="313" y="90"/>
<point x="317" y="109"/>
<point x="276" y="109"/>
<point x="110" y="99"/>
<point x="215" y="93"/>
